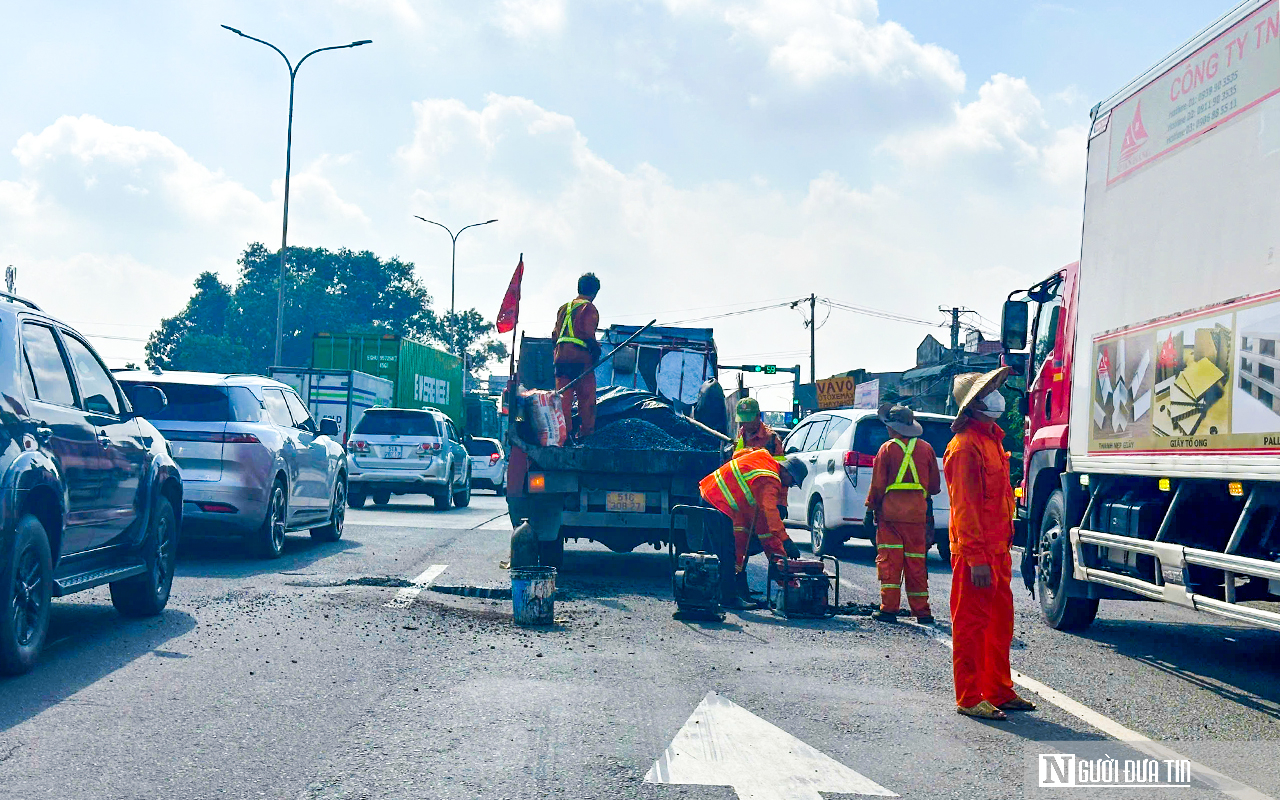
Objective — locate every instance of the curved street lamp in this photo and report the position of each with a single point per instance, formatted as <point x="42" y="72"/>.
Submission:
<point x="453" y="270"/>
<point x="288" y="163"/>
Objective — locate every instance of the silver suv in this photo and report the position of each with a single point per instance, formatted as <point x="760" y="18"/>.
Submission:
<point x="408" y="451"/>
<point x="254" y="463"/>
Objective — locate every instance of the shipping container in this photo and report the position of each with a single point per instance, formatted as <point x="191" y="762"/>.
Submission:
<point x="338" y="394"/>
<point x="422" y="376"/>
<point x="483" y="418"/>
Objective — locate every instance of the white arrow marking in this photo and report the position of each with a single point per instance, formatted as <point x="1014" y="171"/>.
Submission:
<point x="723" y="744"/>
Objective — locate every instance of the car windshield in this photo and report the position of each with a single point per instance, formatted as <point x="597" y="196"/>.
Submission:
<point x="871" y="433"/>
<point x="397" y="423"/>
<point x="481" y="447"/>
<point x="187" y="402"/>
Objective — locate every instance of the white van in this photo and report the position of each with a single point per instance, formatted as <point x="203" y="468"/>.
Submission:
<point x="839" y="448"/>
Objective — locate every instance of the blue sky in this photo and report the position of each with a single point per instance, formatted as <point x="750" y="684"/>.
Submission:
<point x="695" y="154"/>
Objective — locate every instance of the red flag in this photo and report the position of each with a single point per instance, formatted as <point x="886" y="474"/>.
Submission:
<point x="509" y="314"/>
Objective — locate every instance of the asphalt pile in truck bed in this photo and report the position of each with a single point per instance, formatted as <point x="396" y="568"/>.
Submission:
<point x="633" y="434"/>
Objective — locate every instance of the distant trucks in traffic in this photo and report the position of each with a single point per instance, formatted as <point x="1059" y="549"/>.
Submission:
<point x="1152" y="456"/>
<point x="342" y="395"/>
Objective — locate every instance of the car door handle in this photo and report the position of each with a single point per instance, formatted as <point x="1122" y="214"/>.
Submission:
<point x="104" y="439"/>
<point x="43" y="432"/>
<point x="812" y="459"/>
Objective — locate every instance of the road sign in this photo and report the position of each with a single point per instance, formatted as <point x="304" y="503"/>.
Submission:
<point x="723" y="744"/>
<point x="835" y="392"/>
<point x="867" y="394"/>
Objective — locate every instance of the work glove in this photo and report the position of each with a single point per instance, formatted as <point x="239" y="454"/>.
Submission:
<point x="790" y="548"/>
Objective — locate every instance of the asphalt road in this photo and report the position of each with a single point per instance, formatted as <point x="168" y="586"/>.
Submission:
<point x="327" y="674"/>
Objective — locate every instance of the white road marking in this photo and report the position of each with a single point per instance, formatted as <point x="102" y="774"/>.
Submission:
<point x="405" y="597"/>
<point x="723" y="744"/>
<point x="1228" y="786"/>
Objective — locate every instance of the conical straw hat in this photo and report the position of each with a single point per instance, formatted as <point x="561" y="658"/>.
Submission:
<point x="969" y="387"/>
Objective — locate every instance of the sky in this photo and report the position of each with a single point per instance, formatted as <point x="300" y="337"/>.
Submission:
<point x="703" y="158"/>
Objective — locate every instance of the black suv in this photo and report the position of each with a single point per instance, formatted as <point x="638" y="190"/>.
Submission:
<point x="89" y="493"/>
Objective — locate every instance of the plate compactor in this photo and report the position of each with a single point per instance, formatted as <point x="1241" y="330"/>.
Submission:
<point x="699" y="577"/>
<point x="802" y="587"/>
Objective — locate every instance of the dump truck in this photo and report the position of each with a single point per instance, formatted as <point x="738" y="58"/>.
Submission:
<point x="1152" y="460"/>
<point x="423" y="376"/>
<point x="620" y="492"/>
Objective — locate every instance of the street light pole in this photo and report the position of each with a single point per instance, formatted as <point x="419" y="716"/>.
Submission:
<point x="453" y="268"/>
<point x="288" y="164"/>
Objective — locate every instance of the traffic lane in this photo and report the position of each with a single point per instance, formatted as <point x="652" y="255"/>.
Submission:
<point x="584" y="708"/>
<point x="1163" y="670"/>
<point x="237" y="689"/>
<point x="419" y="511"/>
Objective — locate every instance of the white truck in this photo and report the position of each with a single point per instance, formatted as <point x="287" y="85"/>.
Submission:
<point x="339" y="394"/>
<point x="1153" y="406"/>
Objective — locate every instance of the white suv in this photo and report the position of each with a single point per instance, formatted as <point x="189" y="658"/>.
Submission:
<point x="408" y="451"/>
<point x="839" y="448"/>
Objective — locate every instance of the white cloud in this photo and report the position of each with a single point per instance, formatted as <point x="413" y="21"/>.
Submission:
<point x="525" y="19"/>
<point x="812" y="40"/>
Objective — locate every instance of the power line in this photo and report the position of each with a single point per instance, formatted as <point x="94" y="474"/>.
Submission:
<point x="727" y="314"/>
<point x="650" y="314"/>
<point x="875" y="312"/>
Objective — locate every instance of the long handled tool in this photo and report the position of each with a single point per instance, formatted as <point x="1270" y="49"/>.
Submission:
<point x="603" y="359"/>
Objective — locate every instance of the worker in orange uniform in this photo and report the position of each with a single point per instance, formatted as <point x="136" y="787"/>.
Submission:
<point x="977" y="470"/>
<point x="576" y="350"/>
<point x="903" y="478"/>
<point x="748" y="489"/>
<point x="753" y="433"/>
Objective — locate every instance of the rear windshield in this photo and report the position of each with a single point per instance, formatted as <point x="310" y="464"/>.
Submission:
<point x="479" y="447"/>
<point x="196" y="403"/>
<point x="871" y="433"/>
<point x="397" y="423"/>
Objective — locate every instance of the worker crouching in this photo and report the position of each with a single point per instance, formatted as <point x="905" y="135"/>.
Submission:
<point x="749" y="489"/>
<point x="904" y="477"/>
<point x="982" y="509"/>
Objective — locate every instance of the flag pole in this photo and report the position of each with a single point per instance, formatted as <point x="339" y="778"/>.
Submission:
<point x="511" y="372"/>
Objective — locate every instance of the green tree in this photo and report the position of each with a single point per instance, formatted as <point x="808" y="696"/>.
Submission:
<point x="468" y="333"/>
<point x="228" y="329"/>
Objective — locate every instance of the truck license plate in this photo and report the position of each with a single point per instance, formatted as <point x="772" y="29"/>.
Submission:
<point x="392" y="451"/>
<point x="628" y="502"/>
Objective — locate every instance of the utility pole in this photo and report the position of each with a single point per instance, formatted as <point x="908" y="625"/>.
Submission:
<point x="957" y="358"/>
<point x="813" y="332"/>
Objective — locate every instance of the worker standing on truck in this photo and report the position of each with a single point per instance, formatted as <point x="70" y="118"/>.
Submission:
<point x="903" y="478"/>
<point x="753" y="433"/>
<point x="748" y="489"/>
<point x="576" y="350"/>
<point x="977" y="471"/>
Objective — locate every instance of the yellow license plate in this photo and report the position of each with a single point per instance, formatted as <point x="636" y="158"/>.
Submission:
<point x="628" y="502"/>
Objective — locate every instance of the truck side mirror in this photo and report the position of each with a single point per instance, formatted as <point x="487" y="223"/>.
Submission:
<point x="1024" y="407"/>
<point x="1013" y="325"/>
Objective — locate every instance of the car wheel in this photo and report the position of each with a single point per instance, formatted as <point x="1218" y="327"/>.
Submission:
<point x="356" y="498"/>
<point x="501" y="490"/>
<point x="147" y="594"/>
<point x="444" y="499"/>
<point x="1053" y="573"/>
<point x="337" y="515"/>
<point x="551" y="554"/>
<point x="462" y="498"/>
<point x="269" y="540"/>
<point x="381" y="497"/>
<point x="26" y="589"/>
<point x="823" y="542"/>
<point x="943" y="544"/>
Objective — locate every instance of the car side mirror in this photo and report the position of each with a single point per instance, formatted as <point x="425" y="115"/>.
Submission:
<point x="329" y="427"/>
<point x="147" y="401"/>
<point x="1013" y="325"/>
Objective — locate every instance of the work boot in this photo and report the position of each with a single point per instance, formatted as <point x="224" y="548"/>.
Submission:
<point x="925" y="619"/>
<point x="884" y="616"/>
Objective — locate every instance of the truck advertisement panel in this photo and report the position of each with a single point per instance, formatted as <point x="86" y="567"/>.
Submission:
<point x="1204" y="382"/>
<point x="1220" y="80"/>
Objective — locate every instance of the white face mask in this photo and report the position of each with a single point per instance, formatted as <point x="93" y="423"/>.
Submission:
<point x="993" y="405"/>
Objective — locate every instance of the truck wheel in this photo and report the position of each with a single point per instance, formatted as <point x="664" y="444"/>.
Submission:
<point x="356" y="498"/>
<point x="381" y="497"/>
<point x="822" y="540"/>
<point x="462" y="498"/>
<point x="337" y="514"/>
<point x="1053" y="574"/>
<point x="147" y="594"/>
<point x="26" y="585"/>
<point x="269" y="539"/>
<point x="551" y="554"/>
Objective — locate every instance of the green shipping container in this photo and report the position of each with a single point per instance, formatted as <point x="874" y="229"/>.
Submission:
<point x="424" y="377"/>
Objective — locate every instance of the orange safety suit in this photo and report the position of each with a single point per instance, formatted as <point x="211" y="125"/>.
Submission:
<point x="977" y="470"/>
<point x="576" y="349"/>
<point x="899" y="496"/>
<point x="765" y="439"/>
<point x="748" y="490"/>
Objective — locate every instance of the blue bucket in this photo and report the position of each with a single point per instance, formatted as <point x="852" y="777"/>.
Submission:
<point x="533" y="594"/>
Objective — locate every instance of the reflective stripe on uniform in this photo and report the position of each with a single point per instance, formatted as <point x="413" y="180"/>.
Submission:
<point x="907" y="463"/>
<point x="888" y="547"/>
<point x="915" y="555"/>
<point x="567" y="333"/>
<point x="890" y="586"/>
<point x="724" y="490"/>
<point x="917" y="594"/>
<point x="742" y="483"/>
